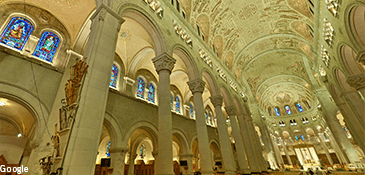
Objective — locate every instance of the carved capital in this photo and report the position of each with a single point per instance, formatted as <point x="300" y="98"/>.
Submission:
<point x="217" y="100"/>
<point x="101" y="12"/>
<point x="196" y="85"/>
<point x="231" y="110"/>
<point x="164" y="62"/>
<point x="361" y="57"/>
<point x="35" y="143"/>
<point x="357" y="81"/>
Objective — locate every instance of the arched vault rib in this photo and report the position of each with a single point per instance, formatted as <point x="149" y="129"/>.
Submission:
<point x="267" y="37"/>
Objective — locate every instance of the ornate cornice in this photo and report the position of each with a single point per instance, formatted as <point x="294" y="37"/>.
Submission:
<point x="196" y="85"/>
<point x="357" y="81"/>
<point x="231" y="110"/>
<point x="164" y="62"/>
<point x="217" y="100"/>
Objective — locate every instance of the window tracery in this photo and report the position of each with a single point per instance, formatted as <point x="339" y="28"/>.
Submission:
<point x="16" y="33"/>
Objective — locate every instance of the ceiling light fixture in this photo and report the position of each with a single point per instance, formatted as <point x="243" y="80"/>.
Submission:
<point x="2" y="103"/>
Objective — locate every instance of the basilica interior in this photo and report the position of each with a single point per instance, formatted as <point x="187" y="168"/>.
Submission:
<point x="182" y="87"/>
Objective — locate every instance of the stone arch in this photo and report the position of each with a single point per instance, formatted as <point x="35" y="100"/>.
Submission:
<point x="188" y="60"/>
<point x="238" y="105"/>
<point x="226" y="95"/>
<point x="149" y="129"/>
<point x="211" y="82"/>
<point x="348" y="58"/>
<point x="114" y="130"/>
<point x="182" y="141"/>
<point x="341" y="80"/>
<point x="355" y="18"/>
<point x="214" y="146"/>
<point x="204" y="24"/>
<point x="146" y="21"/>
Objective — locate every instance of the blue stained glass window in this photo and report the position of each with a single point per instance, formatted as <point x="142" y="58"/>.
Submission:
<point x="177" y="104"/>
<point x="107" y="149"/>
<point x="47" y="46"/>
<point x="325" y="136"/>
<point x="288" y="111"/>
<point x="277" y="112"/>
<point x="140" y="89"/>
<point x="296" y="137"/>
<point x="308" y="104"/>
<point x="191" y="110"/>
<point x="151" y="93"/>
<point x="141" y="151"/>
<point x="301" y="136"/>
<point x="114" y="76"/>
<point x="206" y="117"/>
<point x="347" y="132"/>
<point x="16" y="33"/>
<point x="300" y="109"/>
<point x="172" y="102"/>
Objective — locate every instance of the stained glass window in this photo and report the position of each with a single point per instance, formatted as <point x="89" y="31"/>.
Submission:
<point x="302" y="137"/>
<point x="308" y="104"/>
<point x="141" y="151"/>
<point x="277" y="112"/>
<point x="16" y="33"/>
<point x="140" y="89"/>
<point x="347" y="132"/>
<point x="47" y="46"/>
<point x="206" y="117"/>
<point x="172" y="102"/>
<point x="300" y="109"/>
<point x="191" y="111"/>
<point x="151" y="93"/>
<point x="114" y="76"/>
<point x="288" y="111"/>
<point x="107" y="149"/>
<point x="177" y="104"/>
<point x="210" y="118"/>
<point x="296" y="137"/>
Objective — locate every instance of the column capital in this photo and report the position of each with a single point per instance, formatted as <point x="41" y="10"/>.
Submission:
<point x="357" y="81"/>
<point x="196" y="85"/>
<point x="231" y="110"/>
<point x="361" y="57"/>
<point x="164" y="62"/>
<point x="217" y="100"/>
<point x="101" y="12"/>
<point x="118" y="150"/>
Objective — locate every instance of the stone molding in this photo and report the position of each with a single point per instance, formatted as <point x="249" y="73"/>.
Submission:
<point x="361" y="57"/>
<point x="164" y="62"/>
<point x="196" y="85"/>
<point x="186" y="155"/>
<point x="231" y="110"/>
<point x="217" y="100"/>
<point x="357" y="81"/>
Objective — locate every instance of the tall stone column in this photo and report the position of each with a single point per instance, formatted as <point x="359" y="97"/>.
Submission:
<point x="248" y="144"/>
<point x="268" y="144"/>
<point x="224" y="141"/>
<point x="324" y="146"/>
<point x="189" y="159"/>
<point x="117" y="160"/>
<point x="132" y="157"/>
<point x="197" y="88"/>
<point x="330" y="111"/>
<point x="286" y="153"/>
<point x="240" y="149"/>
<point x="277" y="151"/>
<point x="164" y="64"/>
<point x="83" y="145"/>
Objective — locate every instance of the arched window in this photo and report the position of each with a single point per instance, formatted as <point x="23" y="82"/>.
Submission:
<point x="172" y="102"/>
<point x="192" y="111"/>
<point x="16" y="33"/>
<point x="302" y="137"/>
<point x="177" y="104"/>
<point x="47" y="46"/>
<point x="277" y="112"/>
<point x="287" y="109"/>
<point x="210" y="118"/>
<point x="300" y="109"/>
<point x="140" y="87"/>
<point x="114" y="76"/>
<point x="107" y="149"/>
<point x="347" y="132"/>
<point x="296" y="137"/>
<point x="151" y="93"/>
<point x="206" y="117"/>
<point x="308" y="104"/>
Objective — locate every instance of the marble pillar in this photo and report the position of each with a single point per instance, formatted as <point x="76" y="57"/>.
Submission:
<point x="268" y="144"/>
<point x="325" y="148"/>
<point x="224" y="141"/>
<point x="240" y="149"/>
<point x="117" y="160"/>
<point x="164" y="64"/>
<point x="197" y="88"/>
<point x="132" y="157"/>
<point x="83" y="146"/>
